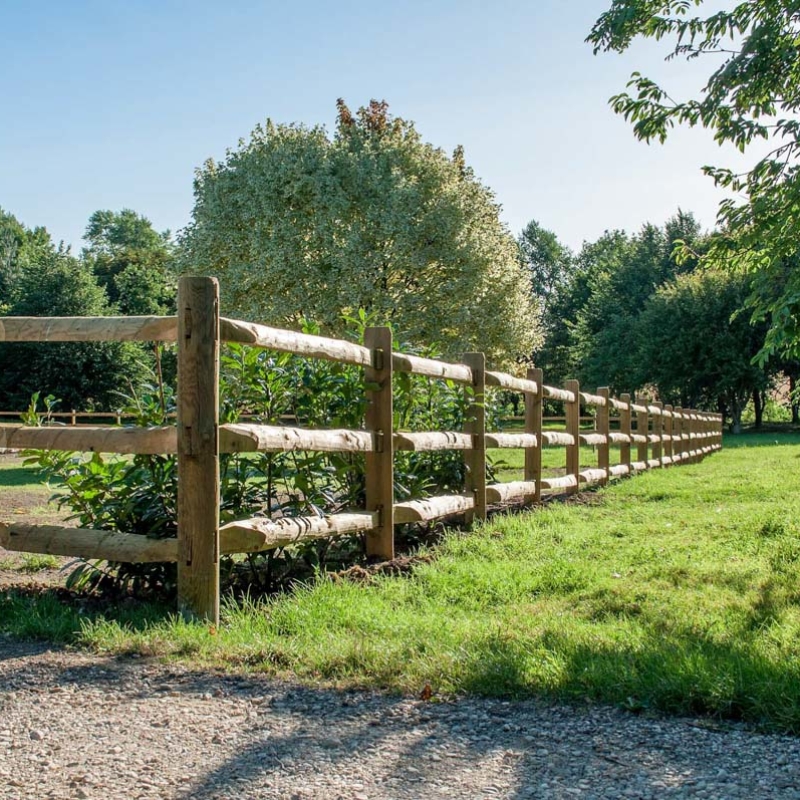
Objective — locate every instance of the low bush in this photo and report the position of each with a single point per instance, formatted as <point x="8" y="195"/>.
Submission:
<point x="139" y="494"/>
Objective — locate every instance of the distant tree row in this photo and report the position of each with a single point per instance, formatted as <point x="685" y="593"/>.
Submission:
<point x="125" y="269"/>
<point x="625" y="312"/>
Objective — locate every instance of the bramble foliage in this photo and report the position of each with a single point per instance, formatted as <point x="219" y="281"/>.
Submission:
<point x="752" y="95"/>
<point x="299" y="225"/>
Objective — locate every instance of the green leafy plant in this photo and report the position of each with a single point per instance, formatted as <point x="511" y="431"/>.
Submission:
<point x="138" y="494"/>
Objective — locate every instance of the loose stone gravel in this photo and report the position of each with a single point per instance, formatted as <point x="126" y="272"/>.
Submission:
<point x="74" y="725"/>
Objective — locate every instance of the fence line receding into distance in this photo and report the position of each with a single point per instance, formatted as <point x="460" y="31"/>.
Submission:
<point x="647" y="435"/>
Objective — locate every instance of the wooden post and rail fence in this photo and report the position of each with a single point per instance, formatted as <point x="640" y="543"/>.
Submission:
<point x="662" y="436"/>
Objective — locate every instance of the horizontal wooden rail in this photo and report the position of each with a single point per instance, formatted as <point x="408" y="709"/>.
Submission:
<point x="593" y="475"/>
<point x="85" y="543"/>
<point x="245" y="437"/>
<point x="564" y="482"/>
<point x="434" y="440"/>
<point x="256" y="535"/>
<point x="552" y="393"/>
<point x="593" y="400"/>
<point x="94" y="439"/>
<point x="432" y="508"/>
<point x="558" y="438"/>
<point x="510" y="492"/>
<point x="505" y="381"/>
<point x="88" y="329"/>
<point x="302" y="344"/>
<point x="431" y="368"/>
<point x="511" y="440"/>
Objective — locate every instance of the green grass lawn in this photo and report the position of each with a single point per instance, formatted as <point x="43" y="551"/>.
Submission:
<point x="676" y="590"/>
<point x="14" y="475"/>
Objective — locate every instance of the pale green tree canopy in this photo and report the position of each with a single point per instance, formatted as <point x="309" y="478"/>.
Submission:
<point x="299" y="224"/>
<point x="752" y="94"/>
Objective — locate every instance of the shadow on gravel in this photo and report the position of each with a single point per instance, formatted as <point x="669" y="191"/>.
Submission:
<point x="271" y="734"/>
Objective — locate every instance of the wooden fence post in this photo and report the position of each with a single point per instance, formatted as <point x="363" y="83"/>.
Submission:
<point x="677" y="431"/>
<point x="573" y="425"/>
<point x="642" y="429"/>
<point x="198" y="448"/>
<point x="625" y="427"/>
<point x="604" y="427"/>
<point x="533" y="424"/>
<point x="658" y="430"/>
<point x="475" y="459"/>
<point x="379" y="419"/>
<point x="669" y="424"/>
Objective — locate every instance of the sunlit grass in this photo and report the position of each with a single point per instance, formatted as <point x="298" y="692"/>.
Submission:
<point x="676" y="590"/>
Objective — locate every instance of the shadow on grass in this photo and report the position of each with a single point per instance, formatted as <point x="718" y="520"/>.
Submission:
<point x="57" y="614"/>
<point x="769" y="436"/>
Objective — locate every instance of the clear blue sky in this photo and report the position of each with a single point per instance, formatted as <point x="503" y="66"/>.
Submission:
<point x="113" y="105"/>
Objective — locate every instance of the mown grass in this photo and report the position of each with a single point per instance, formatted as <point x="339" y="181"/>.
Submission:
<point x="675" y="591"/>
<point x="15" y="475"/>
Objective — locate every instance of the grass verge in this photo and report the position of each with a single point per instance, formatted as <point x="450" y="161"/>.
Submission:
<point x="675" y="591"/>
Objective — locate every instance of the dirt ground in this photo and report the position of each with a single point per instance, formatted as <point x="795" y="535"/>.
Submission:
<point x="31" y="506"/>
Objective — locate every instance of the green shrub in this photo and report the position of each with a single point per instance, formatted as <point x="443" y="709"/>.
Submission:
<point x="138" y="494"/>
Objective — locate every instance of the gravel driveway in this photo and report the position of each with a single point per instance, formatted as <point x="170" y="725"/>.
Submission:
<point x="73" y="725"/>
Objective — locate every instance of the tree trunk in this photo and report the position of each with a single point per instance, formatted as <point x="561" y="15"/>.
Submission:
<point x="736" y="415"/>
<point x="793" y="401"/>
<point x="758" y="406"/>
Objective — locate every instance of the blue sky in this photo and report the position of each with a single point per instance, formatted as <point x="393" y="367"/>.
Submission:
<point x="113" y="105"/>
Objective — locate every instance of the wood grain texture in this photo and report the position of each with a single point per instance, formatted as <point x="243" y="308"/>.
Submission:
<point x="244" y="437"/>
<point x="508" y="441"/>
<point x="88" y="329"/>
<point x="257" y="535"/>
<point x="475" y="459"/>
<point x="198" y="448"/>
<point x="87" y="543"/>
<point x="303" y="344"/>
<point x="506" y="381"/>
<point x="573" y="424"/>
<point x="603" y="423"/>
<point x="92" y="439"/>
<point x="533" y="427"/>
<point x="625" y="430"/>
<point x="379" y="420"/>
<point x="511" y="491"/>
<point x="433" y="440"/>
<point x="431" y="368"/>
<point x="433" y="508"/>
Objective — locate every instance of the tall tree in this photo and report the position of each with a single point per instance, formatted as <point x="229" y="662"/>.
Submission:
<point x="752" y="94"/>
<point x="132" y="261"/>
<point x="51" y="282"/>
<point x="626" y="272"/>
<point x="695" y="348"/>
<point x="296" y="224"/>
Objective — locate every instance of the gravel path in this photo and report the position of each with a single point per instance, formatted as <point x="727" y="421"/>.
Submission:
<point x="74" y="725"/>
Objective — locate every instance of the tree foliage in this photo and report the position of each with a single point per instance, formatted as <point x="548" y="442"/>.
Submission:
<point x="132" y="262"/>
<point x="696" y="348"/>
<point x="296" y="224"/>
<point x="626" y="271"/>
<point x="38" y="279"/>
<point x="752" y="94"/>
